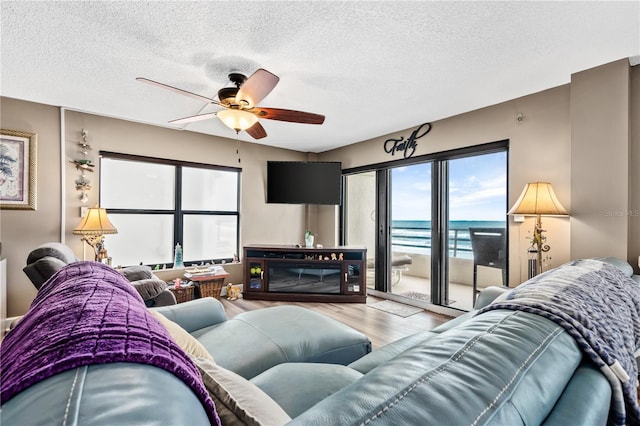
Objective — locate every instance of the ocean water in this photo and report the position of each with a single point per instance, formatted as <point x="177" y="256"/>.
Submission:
<point x="414" y="236"/>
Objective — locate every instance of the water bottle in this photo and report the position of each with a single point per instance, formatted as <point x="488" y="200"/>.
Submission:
<point x="177" y="259"/>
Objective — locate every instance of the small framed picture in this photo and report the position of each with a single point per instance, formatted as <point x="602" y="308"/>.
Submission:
<point x="18" y="170"/>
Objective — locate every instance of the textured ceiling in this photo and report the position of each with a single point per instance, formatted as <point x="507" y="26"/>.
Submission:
<point x="371" y="68"/>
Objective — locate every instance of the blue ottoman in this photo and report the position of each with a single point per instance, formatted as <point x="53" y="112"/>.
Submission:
<point x="254" y="341"/>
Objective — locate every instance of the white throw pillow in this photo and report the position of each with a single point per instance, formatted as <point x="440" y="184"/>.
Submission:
<point x="237" y="400"/>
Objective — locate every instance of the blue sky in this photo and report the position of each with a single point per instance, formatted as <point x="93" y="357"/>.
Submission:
<point x="477" y="189"/>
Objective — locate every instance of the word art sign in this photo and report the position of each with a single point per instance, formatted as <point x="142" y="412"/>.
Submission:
<point x="406" y="146"/>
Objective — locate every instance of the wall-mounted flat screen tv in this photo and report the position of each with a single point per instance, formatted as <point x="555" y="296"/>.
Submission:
<point x="304" y="182"/>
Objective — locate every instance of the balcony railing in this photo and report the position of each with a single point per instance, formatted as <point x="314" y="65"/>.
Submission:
<point x="419" y="239"/>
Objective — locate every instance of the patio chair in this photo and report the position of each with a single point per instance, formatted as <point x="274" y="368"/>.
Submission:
<point x="489" y="247"/>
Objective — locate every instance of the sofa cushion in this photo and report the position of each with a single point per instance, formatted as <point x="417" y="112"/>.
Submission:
<point x="271" y="336"/>
<point x="187" y="342"/>
<point x="389" y="351"/>
<point x="237" y="400"/>
<point x="393" y="349"/>
<point x="296" y="387"/>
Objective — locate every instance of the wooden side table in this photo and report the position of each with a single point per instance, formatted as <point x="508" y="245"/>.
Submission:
<point x="209" y="285"/>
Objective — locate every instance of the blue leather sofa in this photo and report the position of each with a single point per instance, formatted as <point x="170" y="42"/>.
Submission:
<point x="501" y="367"/>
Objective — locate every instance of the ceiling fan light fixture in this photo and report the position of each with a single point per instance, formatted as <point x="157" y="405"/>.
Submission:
<point x="237" y="119"/>
<point x="240" y="111"/>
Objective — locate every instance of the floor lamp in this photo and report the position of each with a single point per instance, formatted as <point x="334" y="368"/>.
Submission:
<point x="538" y="199"/>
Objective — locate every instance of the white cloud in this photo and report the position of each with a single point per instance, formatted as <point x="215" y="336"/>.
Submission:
<point x="421" y="186"/>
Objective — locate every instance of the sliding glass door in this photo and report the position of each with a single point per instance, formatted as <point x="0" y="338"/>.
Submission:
<point x="477" y="205"/>
<point x="419" y="219"/>
<point x="360" y="217"/>
<point x="410" y="261"/>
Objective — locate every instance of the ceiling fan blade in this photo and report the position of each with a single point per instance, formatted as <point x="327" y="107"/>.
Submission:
<point x="256" y="88"/>
<point x="257" y="131"/>
<point x="288" y="115"/>
<point x="193" y="118"/>
<point x="175" y="89"/>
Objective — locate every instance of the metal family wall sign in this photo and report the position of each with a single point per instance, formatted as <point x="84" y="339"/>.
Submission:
<point x="406" y="146"/>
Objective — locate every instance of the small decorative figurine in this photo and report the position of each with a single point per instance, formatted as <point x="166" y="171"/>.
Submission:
<point x="232" y="292"/>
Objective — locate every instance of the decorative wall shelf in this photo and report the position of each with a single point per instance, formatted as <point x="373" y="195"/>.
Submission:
<point x="83" y="165"/>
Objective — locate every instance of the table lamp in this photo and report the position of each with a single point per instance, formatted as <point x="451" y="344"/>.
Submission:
<point x="538" y="199"/>
<point x="94" y="226"/>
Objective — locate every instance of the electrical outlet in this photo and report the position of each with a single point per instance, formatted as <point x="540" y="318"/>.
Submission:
<point x="518" y="218"/>
<point x="83" y="211"/>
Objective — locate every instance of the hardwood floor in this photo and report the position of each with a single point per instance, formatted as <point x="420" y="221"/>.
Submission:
<point x="380" y="327"/>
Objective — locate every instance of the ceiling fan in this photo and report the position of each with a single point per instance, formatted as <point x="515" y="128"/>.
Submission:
<point x="239" y="103"/>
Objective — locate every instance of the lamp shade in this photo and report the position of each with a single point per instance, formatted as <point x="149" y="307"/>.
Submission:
<point x="95" y="222"/>
<point x="538" y="198"/>
<point x="237" y="119"/>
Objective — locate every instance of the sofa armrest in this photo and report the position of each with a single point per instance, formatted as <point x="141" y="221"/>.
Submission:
<point x="149" y="288"/>
<point x="195" y="314"/>
<point x="488" y="295"/>
<point x="623" y="265"/>
<point x="165" y="298"/>
<point x="585" y="400"/>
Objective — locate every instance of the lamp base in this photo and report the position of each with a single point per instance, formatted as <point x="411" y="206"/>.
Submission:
<point x="103" y="257"/>
<point x="538" y="247"/>
<point x="532" y="263"/>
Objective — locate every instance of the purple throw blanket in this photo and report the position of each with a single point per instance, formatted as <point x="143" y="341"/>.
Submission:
<point x="88" y="313"/>
<point x="600" y="308"/>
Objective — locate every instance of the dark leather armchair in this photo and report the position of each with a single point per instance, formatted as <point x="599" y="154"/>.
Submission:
<point x="153" y="290"/>
<point x="489" y="247"/>
<point x="49" y="258"/>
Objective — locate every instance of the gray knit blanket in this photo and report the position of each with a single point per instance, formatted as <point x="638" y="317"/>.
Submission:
<point x="600" y="308"/>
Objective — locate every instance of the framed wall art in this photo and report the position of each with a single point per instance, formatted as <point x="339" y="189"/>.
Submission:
<point x="18" y="170"/>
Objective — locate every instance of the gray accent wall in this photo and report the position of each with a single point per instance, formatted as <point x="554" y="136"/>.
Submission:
<point x="600" y="153"/>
